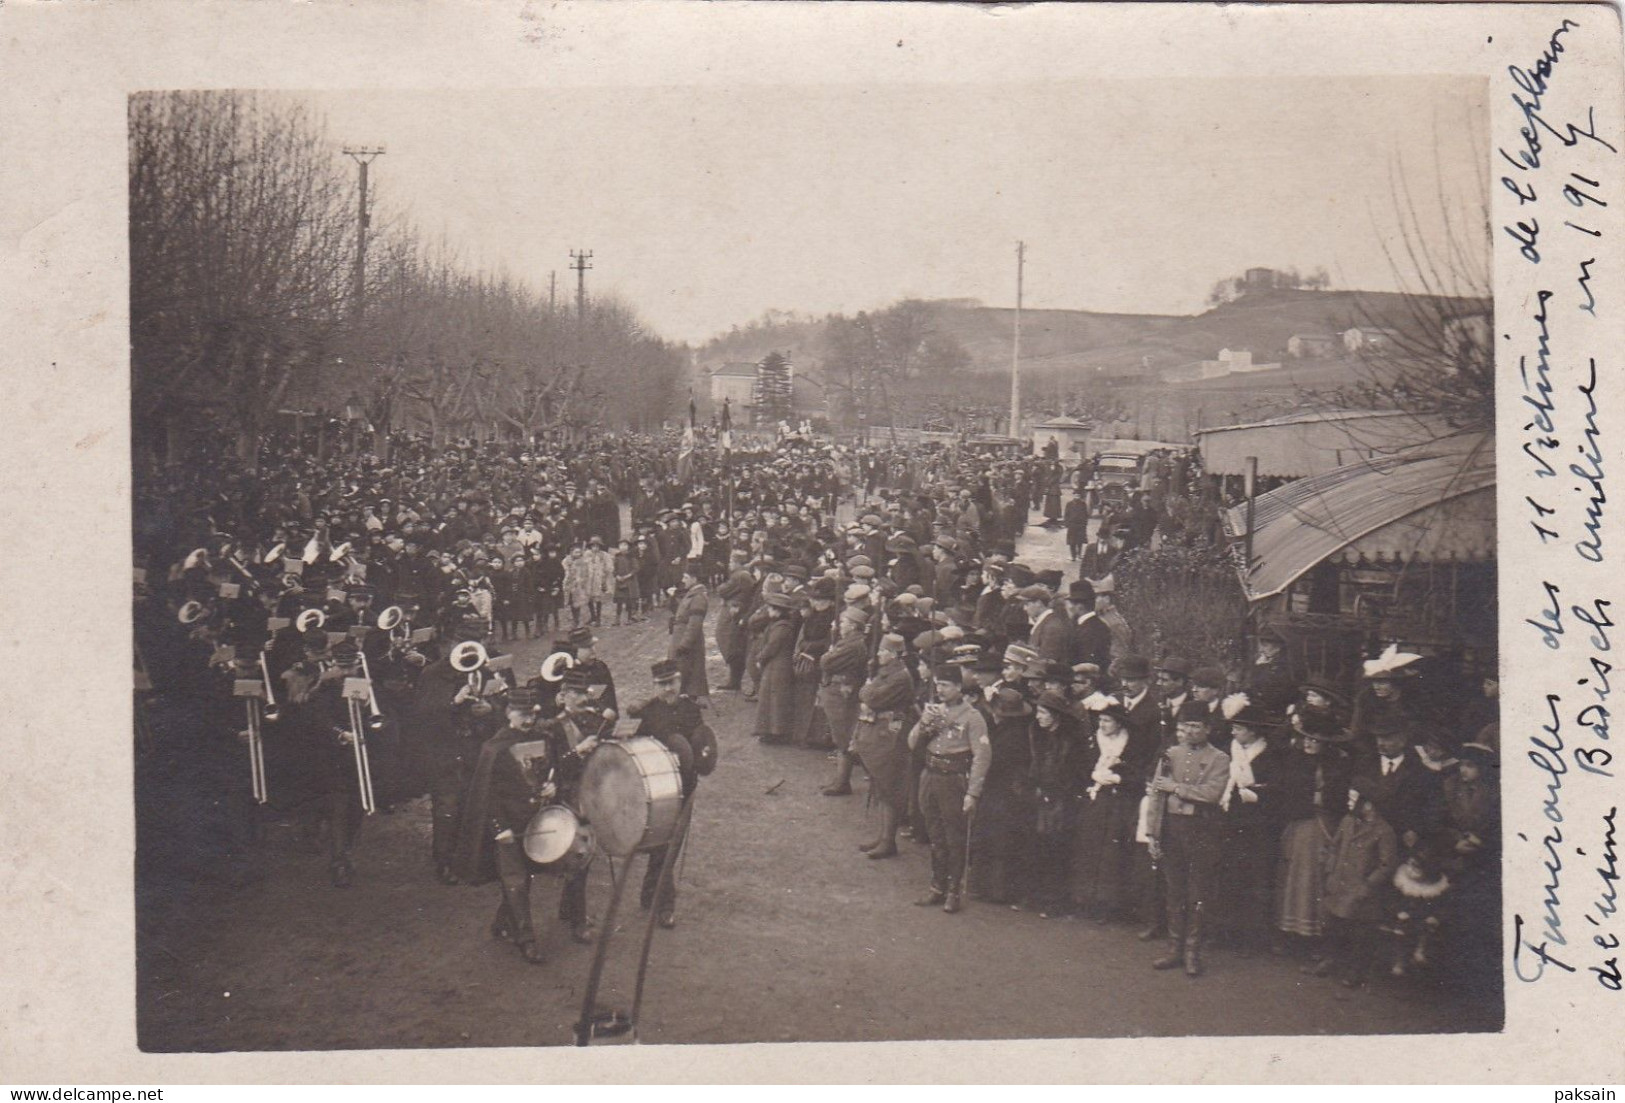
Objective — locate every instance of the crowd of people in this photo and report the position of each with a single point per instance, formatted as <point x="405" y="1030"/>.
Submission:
<point x="1005" y="716"/>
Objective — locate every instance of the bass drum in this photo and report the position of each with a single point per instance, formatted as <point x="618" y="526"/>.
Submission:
<point x="556" y="837"/>
<point x="631" y="792"/>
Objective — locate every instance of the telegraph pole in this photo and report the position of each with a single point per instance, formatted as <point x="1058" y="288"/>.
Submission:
<point x="362" y="156"/>
<point x="578" y="261"/>
<point x="552" y="292"/>
<point x="1015" y="352"/>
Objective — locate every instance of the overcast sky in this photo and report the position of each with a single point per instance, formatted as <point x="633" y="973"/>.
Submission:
<point x="706" y="206"/>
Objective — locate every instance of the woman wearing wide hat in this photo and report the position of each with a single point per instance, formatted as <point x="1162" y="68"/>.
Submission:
<point x="1313" y="799"/>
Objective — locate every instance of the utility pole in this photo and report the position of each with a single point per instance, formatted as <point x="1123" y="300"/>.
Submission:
<point x="1015" y="352"/>
<point x="552" y="292"/>
<point x="362" y="156"/>
<point x="579" y="259"/>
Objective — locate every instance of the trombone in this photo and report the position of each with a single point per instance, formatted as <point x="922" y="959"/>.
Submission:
<point x="272" y="710"/>
<point x="357" y="691"/>
<point x="375" y="715"/>
<point x="252" y="691"/>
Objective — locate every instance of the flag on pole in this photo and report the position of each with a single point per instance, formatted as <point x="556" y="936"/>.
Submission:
<point x="685" y="455"/>
<point x="727" y="438"/>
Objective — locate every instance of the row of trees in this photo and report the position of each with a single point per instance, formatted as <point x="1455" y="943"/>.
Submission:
<point x="243" y="236"/>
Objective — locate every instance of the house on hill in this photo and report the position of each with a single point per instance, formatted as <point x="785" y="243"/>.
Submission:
<point x="1304" y="345"/>
<point x="736" y="383"/>
<point x="1228" y="362"/>
<point x="1361" y="338"/>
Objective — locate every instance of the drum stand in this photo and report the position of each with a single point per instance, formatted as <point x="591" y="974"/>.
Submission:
<point x="613" y="1023"/>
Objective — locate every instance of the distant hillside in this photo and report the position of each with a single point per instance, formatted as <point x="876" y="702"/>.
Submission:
<point x="1075" y="342"/>
<point x="1129" y="355"/>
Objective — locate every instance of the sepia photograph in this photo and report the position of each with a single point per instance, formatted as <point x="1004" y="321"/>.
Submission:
<point x="813" y="563"/>
<point x="855" y="543"/>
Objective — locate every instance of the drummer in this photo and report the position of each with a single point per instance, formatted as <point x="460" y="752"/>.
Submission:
<point x="523" y="768"/>
<point x="674" y="718"/>
<point x="575" y="732"/>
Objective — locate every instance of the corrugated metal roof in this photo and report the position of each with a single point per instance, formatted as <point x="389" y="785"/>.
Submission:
<point x="1404" y="497"/>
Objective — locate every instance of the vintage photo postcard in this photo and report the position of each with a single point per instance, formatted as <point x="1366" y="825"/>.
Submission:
<point x="795" y="542"/>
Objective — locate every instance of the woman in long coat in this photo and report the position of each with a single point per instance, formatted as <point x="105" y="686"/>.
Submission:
<point x="817" y="631"/>
<point x="1001" y="834"/>
<point x="1313" y="799"/>
<point x="776" y="706"/>
<point x="1118" y="761"/>
<point x="688" y="635"/>
<point x="1058" y="750"/>
<point x="886" y="712"/>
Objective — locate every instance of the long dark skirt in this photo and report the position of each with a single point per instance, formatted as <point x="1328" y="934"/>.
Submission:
<point x="1002" y="843"/>
<point x="1103" y="851"/>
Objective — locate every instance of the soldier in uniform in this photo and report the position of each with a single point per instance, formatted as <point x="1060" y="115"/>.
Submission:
<point x="451" y="716"/>
<point x="958" y="753"/>
<point x="674" y="718"/>
<point x="600" y="681"/>
<point x="842" y="668"/>
<point x="320" y="714"/>
<point x="885" y="709"/>
<point x="688" y="633"/>
<point x="1186" y="830"/>
<point x="520" y="769"/>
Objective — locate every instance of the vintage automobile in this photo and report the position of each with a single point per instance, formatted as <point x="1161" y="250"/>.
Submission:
<point x="1117" y="476"/>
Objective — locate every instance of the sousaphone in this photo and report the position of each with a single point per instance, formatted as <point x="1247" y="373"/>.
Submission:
<point x="468" y="656"/>
<point x="554" y="666"/>
<point x="391" y="618"/>
<point x="310" y="618"/>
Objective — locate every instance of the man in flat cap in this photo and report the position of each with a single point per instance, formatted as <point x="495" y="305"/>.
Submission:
<point x="1051" y="632"/>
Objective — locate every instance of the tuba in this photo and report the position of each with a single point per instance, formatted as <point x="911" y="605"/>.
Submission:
<point x="554" y="666"/>
<point x="310" y="618"/>
<point x="469" y="657"/>
<point x="192" y="612"/>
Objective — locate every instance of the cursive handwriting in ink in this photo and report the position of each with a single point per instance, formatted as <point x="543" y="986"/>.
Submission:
<point x="1550" y="622"/>
<point x="1533" y="81"/>
<point x="1607" y="904"/>
<point x="1590" y="305"/>
<point x="1591" y="473"/>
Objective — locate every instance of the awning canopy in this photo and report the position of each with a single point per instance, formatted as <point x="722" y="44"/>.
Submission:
<point x="1433" y="503"/>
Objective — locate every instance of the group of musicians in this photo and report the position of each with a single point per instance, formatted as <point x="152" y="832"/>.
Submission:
<point x="354" y="709"/>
